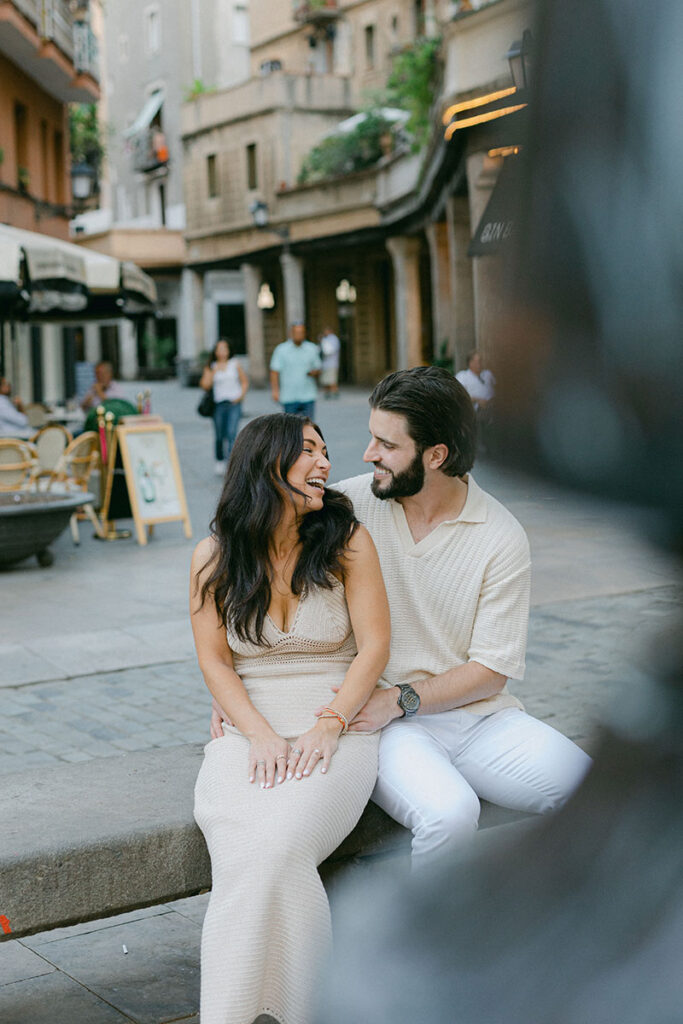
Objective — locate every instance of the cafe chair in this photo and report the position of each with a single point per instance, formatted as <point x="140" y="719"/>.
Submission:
<point x="18" y="462"/>
<point x="50" y="442"/>
<point x="74" y="469"/>
<point x="36" y="414"/>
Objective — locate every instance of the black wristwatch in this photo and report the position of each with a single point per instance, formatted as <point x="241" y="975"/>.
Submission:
<point x="408" y="700"/>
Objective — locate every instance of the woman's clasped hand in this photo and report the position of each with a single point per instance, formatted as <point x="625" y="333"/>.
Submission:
<point x="272" y="759"/>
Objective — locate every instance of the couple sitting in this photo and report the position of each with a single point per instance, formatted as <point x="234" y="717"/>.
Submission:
<point x="319" y="706"/>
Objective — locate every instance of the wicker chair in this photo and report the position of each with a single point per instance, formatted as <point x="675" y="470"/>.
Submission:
<point x="74" y="468"/>
<point x="18" y="462"/>
<point x="36" y="414"/>
<point x="50" y="442"/>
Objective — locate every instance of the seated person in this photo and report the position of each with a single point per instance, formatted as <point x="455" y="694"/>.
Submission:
<point x="104" y="387"/>
<point x="13" y="420"/>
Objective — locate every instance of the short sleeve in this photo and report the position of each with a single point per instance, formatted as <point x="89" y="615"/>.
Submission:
<point x="276" y="359"/>
<point x="501" y="623"/>
<point x="316" y="361"/>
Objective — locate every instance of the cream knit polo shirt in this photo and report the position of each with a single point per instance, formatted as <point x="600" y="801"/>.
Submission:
<point x="461" y="594"/>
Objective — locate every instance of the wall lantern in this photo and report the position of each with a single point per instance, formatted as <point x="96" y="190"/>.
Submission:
<point x="265" y="298"/>
<point x="519" y="59"/>
<point x="261" y="217"/>
<point x="259" y="213"/>
<point x="345" y="291"/>
<point x="82" y="181"/>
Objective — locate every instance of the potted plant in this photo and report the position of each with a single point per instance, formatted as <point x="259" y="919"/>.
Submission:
<point x="23" y="179"/>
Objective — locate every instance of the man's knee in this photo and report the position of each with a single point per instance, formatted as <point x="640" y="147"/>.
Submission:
<point x="571" y="770"/>
<point x="451" y="819"/>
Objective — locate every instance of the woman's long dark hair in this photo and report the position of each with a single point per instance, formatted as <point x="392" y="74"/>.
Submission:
<point x="251" y="505"/>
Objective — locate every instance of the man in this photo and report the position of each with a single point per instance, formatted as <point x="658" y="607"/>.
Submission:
<point x="294" y="367"/>
<point x="457" y="571"/>
<point x="13" y="420"/>
<point x="104" y="387"/>
<point x="330" y="347"/>
<point x="479" y="384"/>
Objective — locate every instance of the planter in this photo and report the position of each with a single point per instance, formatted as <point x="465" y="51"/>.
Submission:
<point x="29" y="522"/>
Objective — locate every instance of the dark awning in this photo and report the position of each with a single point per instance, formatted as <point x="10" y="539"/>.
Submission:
<point x="499" y="219"/>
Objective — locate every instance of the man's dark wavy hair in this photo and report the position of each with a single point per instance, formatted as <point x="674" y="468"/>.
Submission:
<point x="438" y="410"/>
<point x="250" y="506"/>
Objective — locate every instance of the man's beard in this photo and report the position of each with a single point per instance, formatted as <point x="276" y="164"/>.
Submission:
<point x="401" y="485"/>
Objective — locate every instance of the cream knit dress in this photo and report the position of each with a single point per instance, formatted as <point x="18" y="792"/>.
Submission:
<point x="267" y="928"/>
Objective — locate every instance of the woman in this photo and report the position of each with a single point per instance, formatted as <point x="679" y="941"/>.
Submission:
<point x="230" y="384"/>
<point x="287" y="601"/>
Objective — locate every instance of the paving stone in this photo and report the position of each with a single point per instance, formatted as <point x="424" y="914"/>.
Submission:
<point x="157" y="980"/>
<point x="56" y="934"/>
<point x="18" y="963"/>
<point x="55" y="999"/>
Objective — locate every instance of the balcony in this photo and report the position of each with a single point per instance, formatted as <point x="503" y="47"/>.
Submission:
<point x="52" y="46"/>
<point x="316" y="12"/>
<point x="279" y="90"/>
<point x="150" y="152"/>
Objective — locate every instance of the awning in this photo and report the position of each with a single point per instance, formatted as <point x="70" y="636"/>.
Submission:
<point x="57" y="278"/>
<point x="146" y="115"/>
<point x="55" y="275"/>
<point x="499" y="219"/>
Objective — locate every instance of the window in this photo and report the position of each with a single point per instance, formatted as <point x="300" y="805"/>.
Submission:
<point x="212" y="175"/>
<point x="21" y="145"/>
<point x="152" y="21"/>
<point x="44" y="160"/>
<point x="394" y="27"/>
<point x="162" y="204"/>
<point x="252" y="169"/>
<point x="370" y="46"/>
<point x="240" y="25"/>
<point x="59" y="167"/>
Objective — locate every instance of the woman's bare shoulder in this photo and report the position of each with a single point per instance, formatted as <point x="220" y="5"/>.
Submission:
<point x="204" y="553"/>
<point x="359" y="544"/>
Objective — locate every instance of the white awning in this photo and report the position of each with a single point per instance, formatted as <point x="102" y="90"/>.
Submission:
<point x="135" y="280"/>
<point x="146" y="115"/>
<point x="63" y="274"/>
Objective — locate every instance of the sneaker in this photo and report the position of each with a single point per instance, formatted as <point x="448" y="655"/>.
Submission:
<point x="219" y="468"/>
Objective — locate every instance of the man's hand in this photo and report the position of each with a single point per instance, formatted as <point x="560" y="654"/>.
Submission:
<point x="275" y="394"/>
<point x="218" y="716"/>
<point x="380" y="709"/>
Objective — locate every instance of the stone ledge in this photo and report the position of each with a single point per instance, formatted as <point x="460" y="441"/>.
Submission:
<point x="111" y="835"/>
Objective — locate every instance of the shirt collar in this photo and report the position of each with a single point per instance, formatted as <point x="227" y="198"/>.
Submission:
<point x="474" y="510"/>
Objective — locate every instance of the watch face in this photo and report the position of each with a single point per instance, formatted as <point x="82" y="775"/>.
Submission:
<point x="409" y="700"/>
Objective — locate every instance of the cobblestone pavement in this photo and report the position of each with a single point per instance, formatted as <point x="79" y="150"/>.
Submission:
<point x="96" y="654"/>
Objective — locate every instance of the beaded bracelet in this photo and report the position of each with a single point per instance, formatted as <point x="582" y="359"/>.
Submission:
<point x="339" y="716"/>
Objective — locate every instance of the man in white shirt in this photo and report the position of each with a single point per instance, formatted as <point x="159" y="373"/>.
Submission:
<point x="330" y="346"/>
<point x="479" y="384"/>
<point x="457" y="571"/>
<point x="13" y="420"/>
<point x="104" y="387"/>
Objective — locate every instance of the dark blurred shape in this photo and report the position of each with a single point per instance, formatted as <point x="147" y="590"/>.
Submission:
<point x="592" y="347"/>
<point x="580" y="920"/>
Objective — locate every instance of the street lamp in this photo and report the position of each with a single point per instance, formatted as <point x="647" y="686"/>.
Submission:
<point x="82" y="181"/>
<point x="261" y="217"/>
<point x="519" y="58"/>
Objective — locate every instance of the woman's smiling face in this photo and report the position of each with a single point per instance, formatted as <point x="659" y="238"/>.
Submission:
<point x="310" y="471"/>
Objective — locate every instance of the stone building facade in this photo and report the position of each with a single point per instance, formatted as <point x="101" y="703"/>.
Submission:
<point x="157" y="53"/>
<point x="382" y="255"/>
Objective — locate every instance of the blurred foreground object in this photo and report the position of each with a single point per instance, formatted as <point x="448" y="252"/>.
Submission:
<point x="581" y="918"/>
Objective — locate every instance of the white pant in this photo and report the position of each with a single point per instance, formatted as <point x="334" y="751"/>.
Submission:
<point x="433" y="769"/>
